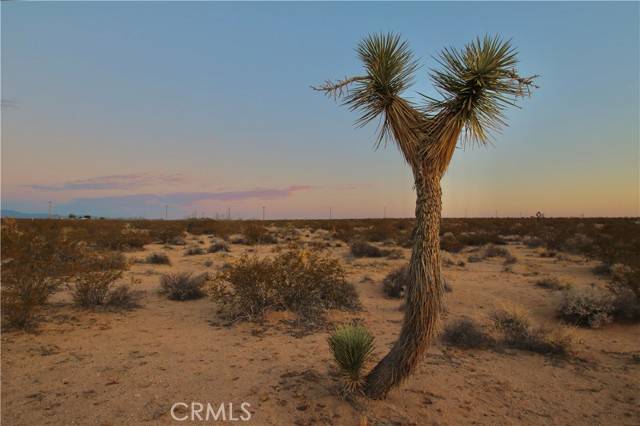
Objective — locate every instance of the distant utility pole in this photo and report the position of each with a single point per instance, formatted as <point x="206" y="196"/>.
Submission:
<point x="263" y="209"/>
<point x="229" y="213"/>
<point x="465" y="213"/>
<point x="330" y="213"/>
<point x="166" y="211"/>
<point x="384" y="215"/>
<point x="49" y="216"/>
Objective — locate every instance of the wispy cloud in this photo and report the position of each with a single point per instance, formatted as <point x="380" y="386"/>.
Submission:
<point x="128" y="181"/>
<point x="137" y="204"/>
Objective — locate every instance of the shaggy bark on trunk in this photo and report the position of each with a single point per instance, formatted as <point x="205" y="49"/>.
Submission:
<point x="423" y="295"/>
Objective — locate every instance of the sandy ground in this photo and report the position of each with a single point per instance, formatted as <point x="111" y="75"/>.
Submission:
<point x="108" y="368"/>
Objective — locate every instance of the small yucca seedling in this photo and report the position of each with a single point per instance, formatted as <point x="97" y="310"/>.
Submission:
<point x="352" y="348"/>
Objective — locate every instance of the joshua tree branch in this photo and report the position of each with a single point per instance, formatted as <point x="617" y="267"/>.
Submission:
<point x="336" y="89"/>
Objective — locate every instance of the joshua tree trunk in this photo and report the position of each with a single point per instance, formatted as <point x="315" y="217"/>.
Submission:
<point x="423" y="295"/>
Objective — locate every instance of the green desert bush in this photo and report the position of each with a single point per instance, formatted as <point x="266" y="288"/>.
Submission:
<point x="466" y="333"/>
<point x="586" y="306"/>
<point x="352" y="348"/>
<point x="306" y="283"/>
<point x="158" y="259"/>
<point x="183" y="285"/>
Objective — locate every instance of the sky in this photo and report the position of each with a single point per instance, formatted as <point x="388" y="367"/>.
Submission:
<point x="119" y="109"/>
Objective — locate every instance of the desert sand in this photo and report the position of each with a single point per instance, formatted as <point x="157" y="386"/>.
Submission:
<point x="104" y="368"/>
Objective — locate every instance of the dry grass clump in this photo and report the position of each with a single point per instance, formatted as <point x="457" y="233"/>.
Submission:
<point x="183" y="285"/>
<point x="587" y="307"/>
<point x="194" y="251"/>
<point x="98" y="289"/>
<point x="218" y="246"/>
<point x="303" y="282"/>
<point x="514" y="325"/>
<point x="352" y="347"/>
<point x="466" y="333"/>
<point x="158" y="259"/>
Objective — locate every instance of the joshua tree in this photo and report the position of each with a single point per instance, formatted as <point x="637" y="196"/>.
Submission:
<point x="475" y="85"/>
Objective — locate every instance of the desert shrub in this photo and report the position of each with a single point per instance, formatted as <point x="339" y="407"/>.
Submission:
<point x="306" y="283"/>
<point x="480" y="238"/>
<point x="551" y="283"/>
<point x="474" y="258"/>
<point x="91" y="289"/>
<point x="393" y="254"/>
<point x="258" y="234"/>
<point x="217" y="246"/>
<point x="121" y="297"/>
<point x="587" y="306"/>
<point x="466" y="333"/>
<point x="183" y="285"/>
<point x="625" y="285"/>
<point x="602" y="269"/>
<point x="238" y="239"/>
<point x="446" y="285"/>
<point x="492" y="250"/>
<point x="35" y="262"/>
<point x="177" y="240"/>
<point x="548" y="253"/>
<point x="510" y="259"/>
<point x="364" y="249"/>
<point x="208" y="263"/>
<point x="352" y="347"/>
<point x="193" y="251"/>
<point x="533" y="242"/>
<point x="579" y="243"/>
<point x="395" y="283"/>
<point x="449" y="242"/>
<point x="514" y="325"/>
<point x="111" y="260"/>
<point x="513" y="322"/>
<point x="158" y="259"/>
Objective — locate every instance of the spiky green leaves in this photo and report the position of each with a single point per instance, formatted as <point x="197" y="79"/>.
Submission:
<point x="390" y="66"/>
<point x="352" y="347"/>
<point x="477" y="83"/>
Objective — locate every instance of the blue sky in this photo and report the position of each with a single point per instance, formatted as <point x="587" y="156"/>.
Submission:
<point x="118" y="108"/>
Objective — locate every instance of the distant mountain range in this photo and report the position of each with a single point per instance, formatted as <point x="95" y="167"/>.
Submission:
<point x="23" y="215"/>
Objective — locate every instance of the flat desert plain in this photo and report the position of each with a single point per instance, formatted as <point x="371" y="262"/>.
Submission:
<point x="130" y="367"/>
